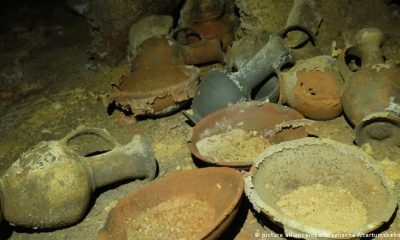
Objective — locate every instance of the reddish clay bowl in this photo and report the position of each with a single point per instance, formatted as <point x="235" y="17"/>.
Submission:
<point x="155" y="91"/>
<point x="220" y="188"/>
<point x="259" y="116"/>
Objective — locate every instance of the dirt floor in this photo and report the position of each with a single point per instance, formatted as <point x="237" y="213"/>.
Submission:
<point x="50" y="86"/>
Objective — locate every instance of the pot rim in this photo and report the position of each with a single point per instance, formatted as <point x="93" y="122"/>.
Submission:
<point x="292" y="225"/>
<point x="190" y="173"/>
<point x="216" y="116"/>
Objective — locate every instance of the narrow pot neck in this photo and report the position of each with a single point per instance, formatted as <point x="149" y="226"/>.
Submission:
<point x="269" y="59"/>
<point x="369" y="41"/>
<point x="131" y="161"/>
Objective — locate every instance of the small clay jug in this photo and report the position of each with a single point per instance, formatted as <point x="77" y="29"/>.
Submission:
<point x="242" y="51"/>
<point x="50" y="185"/>
<point x="147" y="27"/>
<point x="166" y="50"/>
<point x="211" y="19"/>
<point x="218" y="88"/>
<point x="374" y="88"/>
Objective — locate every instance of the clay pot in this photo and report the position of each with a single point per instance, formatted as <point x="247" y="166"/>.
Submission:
<point x="155" y="91"/>
<point x="217" y="28"/>
<point x="146" y="28"/>
<point x="261" y="117"/>
<point x="211" y="20"/>
<point x="374" y="88"/>
<point x="218" y="89"/>
<point x="313" y="87"/>
<point x="220" y="188"/>
<point x="50" y="185"/>
<point x="242" y="51"/>
<point x="302" y="24"/>
<point x="285" y="167"/>
<point x="199" y="11"/>
<point x="165" y="50"/>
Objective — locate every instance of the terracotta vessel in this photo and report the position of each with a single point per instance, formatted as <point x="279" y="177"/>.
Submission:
<point x="165" y="50"/>
<point x="288" y="166"/>
<point x="313" y="87"/>
<point x="220" y="188"/>
<point x="375" y="88"/>
<point x="261" y="117"/>
<point x="146" y="28"/>
<point x="211" y="19"/>
<point x="50" y="185"/>
<point x="155" y="91"/>
<point x="243" y="49"/>
<point x="202" y="10"/>
<point x="218" y="89"/>
<point x="302" y="24"/>
<point x="241" y="52"/>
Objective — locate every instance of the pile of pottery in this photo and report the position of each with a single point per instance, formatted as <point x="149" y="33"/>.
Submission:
<point x="164" y="59"/>
<point x="165" y="73"/>
<point x="315" y="86"/>
<point x="287" y="163"/>
<point x="257" y="97"/>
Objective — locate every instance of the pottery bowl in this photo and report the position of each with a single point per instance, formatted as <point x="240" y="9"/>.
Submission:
<point x="155" y="91"/>
<point x="199" y="201"/>
<point x="257" y="117"/>
<point x="286" y="167"/>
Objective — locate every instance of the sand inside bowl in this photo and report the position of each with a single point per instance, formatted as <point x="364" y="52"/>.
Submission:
<point x="182" y="217"/>
<point x="330" y="208"/>
<point x="236" y="145"/>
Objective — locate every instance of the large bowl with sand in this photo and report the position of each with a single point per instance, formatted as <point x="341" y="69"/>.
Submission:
<point x="235" y="135"/>
<point x="320" y="189"/>
<point x="186" y="204"/>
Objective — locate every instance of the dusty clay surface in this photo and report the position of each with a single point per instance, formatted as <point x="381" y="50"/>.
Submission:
<point x="322" y="207"/>
<point x="317" y="95"/>
<point x="50" y="86"/>
<point x="178" y="218"/>
<point x="236" y="145"/>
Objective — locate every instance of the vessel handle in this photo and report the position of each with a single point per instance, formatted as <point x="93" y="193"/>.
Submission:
<point x="100" y="132"/>
<point x="311" y="36"/>
<point x="344" y="69"/>
<point x="175" y="36"/>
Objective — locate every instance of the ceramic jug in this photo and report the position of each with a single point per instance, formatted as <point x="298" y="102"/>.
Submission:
<point x="50" y="185"/>
<point x="218" y="88"/>
<point x="147" y="27"/>
<point x="166" y="50"/>
<point x="242" y="51"/>
<point x="371" y="95"/>
<point x="213" y="19"/>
